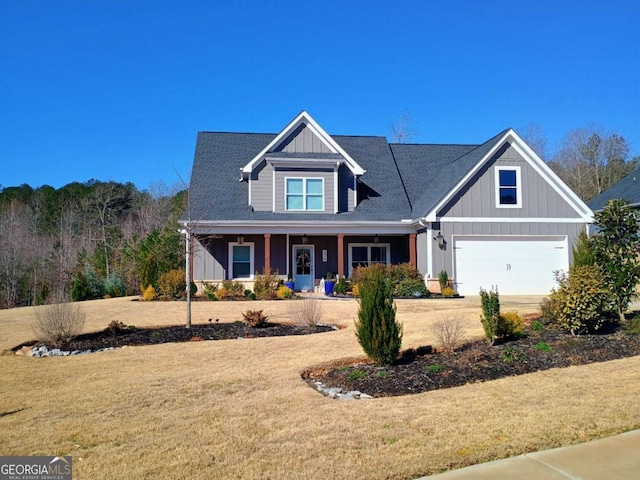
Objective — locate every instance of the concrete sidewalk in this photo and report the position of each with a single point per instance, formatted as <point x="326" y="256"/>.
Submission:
<point x="615" y="457"/>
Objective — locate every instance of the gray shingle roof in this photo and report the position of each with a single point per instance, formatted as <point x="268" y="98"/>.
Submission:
<point x="402" y="181"/>
<point x="628" y="188"/>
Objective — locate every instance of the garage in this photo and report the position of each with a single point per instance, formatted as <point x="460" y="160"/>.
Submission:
<point x="516" y="265"/>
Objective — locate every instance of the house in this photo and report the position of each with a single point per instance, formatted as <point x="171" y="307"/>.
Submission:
<point x="307" y="204"/>
<point x="628" y="189"/>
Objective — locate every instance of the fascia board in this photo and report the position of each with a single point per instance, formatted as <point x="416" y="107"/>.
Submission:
<point x="536" y="163"/>
<point x="317" y="130"/>
<point x="431" y="216"/>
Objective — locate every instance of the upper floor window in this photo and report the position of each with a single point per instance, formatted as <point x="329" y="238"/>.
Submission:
<point x="304" y="194"/>
<point x="508" y="187"/>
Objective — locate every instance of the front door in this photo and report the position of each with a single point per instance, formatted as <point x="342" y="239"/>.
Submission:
<point x="303" y="267"/>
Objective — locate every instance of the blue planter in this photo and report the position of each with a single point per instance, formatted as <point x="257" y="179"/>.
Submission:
<point x="290" y="285"/>
<point x="328" y="287"/>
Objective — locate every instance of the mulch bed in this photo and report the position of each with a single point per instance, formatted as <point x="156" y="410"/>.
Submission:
<point x="423" y="369"/>
<point x="151" y="336"/>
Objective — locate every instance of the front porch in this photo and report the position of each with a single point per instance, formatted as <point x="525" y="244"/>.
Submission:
<point x="305" y="258"/>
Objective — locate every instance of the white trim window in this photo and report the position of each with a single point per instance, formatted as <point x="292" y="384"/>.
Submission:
<point x="508" y="187"/>
<point x="241" y="260"/>
<point x="304" y="194"/>
<point x="367" y="254"/>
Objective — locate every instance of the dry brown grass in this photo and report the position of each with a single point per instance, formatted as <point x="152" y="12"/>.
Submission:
<point x="238" y="408"/>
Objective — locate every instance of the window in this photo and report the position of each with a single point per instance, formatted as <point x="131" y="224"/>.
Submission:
<point x="241" y="260"/>
<point x="364" y="255"/>
<point x="304" y="194"/>
<point x="508" y="187"/>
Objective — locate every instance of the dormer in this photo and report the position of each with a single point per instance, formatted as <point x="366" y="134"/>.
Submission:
<point x="302" y="170"/>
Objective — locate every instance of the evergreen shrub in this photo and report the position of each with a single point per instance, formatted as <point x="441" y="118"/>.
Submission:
<point x="377" y="330"/>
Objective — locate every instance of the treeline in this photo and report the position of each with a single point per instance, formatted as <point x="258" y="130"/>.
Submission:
<point x="86" y="240"/>
<point x="588" y="160"/>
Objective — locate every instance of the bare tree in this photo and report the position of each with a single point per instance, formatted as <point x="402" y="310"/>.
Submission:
<point x="590" y="161"/>
<point x="403" y="130"/>
<point x="535" y="137"/>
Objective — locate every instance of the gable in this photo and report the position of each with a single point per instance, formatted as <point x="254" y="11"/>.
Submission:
<point x="537" y="198"/>
<point x="303" y="140"/>
<point x="470" y="166"/>
<point x="302" y="133"/>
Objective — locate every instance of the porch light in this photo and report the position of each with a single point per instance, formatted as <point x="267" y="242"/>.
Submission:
<point x="240" y="240"/>
<point x="440" y="240"/>
<point x="305" y="240"/>
<point x="376" y="239"/>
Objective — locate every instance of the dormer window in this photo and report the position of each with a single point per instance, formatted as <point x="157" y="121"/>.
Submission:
<point x="508" y="187"/>
<point x="304" y="194"/>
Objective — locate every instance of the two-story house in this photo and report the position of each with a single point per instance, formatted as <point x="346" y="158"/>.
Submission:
<point x="307" y="204"/>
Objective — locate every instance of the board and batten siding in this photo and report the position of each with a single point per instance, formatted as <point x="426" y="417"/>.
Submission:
<point x="303" y="140"/>
<point x="261" y="188"/>
<point x="282" y="174"/>
<point x="478" y="199"/>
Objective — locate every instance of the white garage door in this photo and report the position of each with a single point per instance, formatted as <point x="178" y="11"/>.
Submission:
<point x="516" y="265"/>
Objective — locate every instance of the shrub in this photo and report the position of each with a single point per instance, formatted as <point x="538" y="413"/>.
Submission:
<point x="443" y="280"/>
<point x="284" y="293"/>
<point x="255" y="318"/>
<point x="149" y="294"/>
<point x="209" y="290"/>
<point x="265" y="286"/>
<point x="230" y="289"/>
<point x="114" y="286"/>
<point x="582" y="251"/>
<point x="490" y="313"/>
<point x="341" y="286"/>
<point x="582" y="303"/>
<point x="377" y="330"/>
<point x="549" y="309"/>
<point x="58" y="323"/>
<point x="116" y="328"/>
<point x="411" y="287"/>
<point x="306" y="312"/>
<point x="448" y="292"/>
<point x="172" y="283"/>
<point x="355" y="290"/>
<point x="407" y="281"/>
<point x="510" y="324"/>
<point x="449" y="332"/>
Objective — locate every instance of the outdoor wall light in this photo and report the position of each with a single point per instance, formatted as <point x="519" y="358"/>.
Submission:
<point x="376" y="239"/>
<point x="440" y="240"/>
<point x="240" y="240"/>
<point x="305" y="240"/>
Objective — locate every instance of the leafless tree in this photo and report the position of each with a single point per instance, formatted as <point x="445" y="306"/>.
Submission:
<point x="403" y="130"/>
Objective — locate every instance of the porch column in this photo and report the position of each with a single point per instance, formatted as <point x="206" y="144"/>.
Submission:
<point x="412" y="250"/>
<point x="340" y="255"/>
<point x="267" y="252"/>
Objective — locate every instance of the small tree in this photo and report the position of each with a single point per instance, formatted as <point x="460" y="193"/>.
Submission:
<point x="582" y="251"/>
<point x="490" y="314"/>
<point x="377" y="330"/>
<point x="616" y="249"/>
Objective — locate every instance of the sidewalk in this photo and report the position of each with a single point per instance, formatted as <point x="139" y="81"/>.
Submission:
<point x="615" y="457"/>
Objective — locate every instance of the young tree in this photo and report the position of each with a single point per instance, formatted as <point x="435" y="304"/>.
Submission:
<point x="376" y="328"/>
<point x="616" y="249"/>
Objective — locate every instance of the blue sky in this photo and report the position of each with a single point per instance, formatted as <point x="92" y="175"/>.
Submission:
<point x="117" y="90"/>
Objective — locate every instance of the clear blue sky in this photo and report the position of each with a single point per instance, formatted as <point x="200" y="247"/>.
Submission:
<point x="118" y="89"/>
